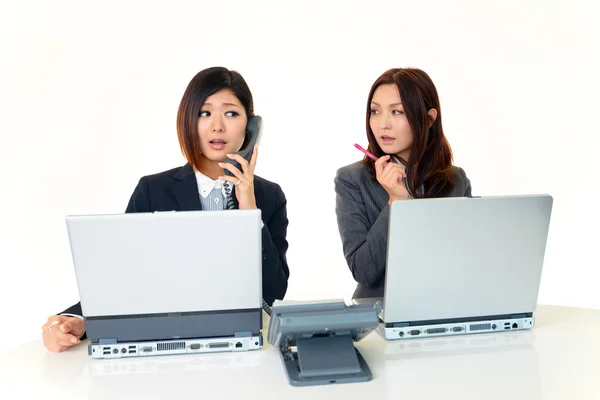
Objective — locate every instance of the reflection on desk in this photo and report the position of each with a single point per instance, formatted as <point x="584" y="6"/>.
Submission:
<point x="459" y="345"/>
<point x="181" y="375"/>
<point x="491" y="366"/>
<point x="180" y="364"/>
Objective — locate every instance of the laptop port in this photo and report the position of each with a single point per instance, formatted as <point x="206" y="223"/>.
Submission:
<point x="218" y="345"/>
<point x="115" y="351"/>
<point x="146" y="349"/>
<point x="415" y="332"/>
<point x="123" y="350"/>
<point x="457" y="329"/>
<point x="515" y="326"/>
<point x="195" y="346"/>
<point x="507" y="327"/>
<point x="238" y="345"/>
<point x="435" y="330"/>
<point x="401" y="334"/>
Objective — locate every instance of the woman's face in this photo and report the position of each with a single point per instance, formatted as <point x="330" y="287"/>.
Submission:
<point x="389" y="123"/>
<point x="221" y="125"/>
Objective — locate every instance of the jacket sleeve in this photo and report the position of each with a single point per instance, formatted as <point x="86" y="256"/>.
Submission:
<point x="364" y="245"/>
<point x="140" y="199"/>
<point x="275" y="271"/>
<point x="467" y="183"/>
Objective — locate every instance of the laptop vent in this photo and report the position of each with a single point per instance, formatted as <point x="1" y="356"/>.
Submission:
<point x="480" y="327"/>
<point x="170" y="346"/>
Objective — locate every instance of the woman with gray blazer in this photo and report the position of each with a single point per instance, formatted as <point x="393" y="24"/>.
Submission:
<point x="411" y="158"/>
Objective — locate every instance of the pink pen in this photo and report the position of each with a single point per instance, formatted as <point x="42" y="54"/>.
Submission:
<point x="371" y="156"/>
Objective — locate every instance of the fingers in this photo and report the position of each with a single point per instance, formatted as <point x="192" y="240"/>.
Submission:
<point x="59" y="333"/>
<point x="392" y="175"/>
<point x="244" y="183"/>
<point x="55" y="347"/>
<point x="380" y="163"/>
<point x="73" y="325"/>
<point x="65" y="339"/>
<point x="236" y="173"/>
<point x="253" y="160"/>
<point x="243" y="162"/>
<point x="65" y="334"/>
<point x="53" y="321"/>
<point x="247" y="172"/>
<point x="65" y="327"/>
<point x="247" y="176"/>
<point x="234" y="180"/>
<point x="395" y="167"/>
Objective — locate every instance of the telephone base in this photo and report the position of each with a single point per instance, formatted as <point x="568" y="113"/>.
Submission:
<point x="325" y="360"/>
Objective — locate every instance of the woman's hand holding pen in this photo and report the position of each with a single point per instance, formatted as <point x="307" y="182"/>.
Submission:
<point x="390" y="175"/>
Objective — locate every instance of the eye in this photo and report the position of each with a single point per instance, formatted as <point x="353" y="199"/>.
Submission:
<point x="231" y="114"/>
<point x="374" y="112"/>
<point x="204" y="113"/>
<point x="398" y="112"/>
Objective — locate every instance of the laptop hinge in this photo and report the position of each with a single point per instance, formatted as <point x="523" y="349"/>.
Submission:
<point x="397" y="325"/>
<point x="107" y="341"/>
<point x="456" y="320"/>
<point x="243" y="334"/>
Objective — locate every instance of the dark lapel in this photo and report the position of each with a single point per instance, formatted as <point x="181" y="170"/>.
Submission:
<point x="185" y="189"/>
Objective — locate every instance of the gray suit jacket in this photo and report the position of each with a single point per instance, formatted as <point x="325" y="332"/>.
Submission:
<point x="362" y="215"/>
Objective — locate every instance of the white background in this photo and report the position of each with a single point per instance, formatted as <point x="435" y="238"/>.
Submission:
<point x="89" y="94"/>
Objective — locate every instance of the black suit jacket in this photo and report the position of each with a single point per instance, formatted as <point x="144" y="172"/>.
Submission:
<point x="177" y="190"/>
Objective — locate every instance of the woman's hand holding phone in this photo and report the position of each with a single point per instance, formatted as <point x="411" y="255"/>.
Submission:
<point x="243" y="180"/>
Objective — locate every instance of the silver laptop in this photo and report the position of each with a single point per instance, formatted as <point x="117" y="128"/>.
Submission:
<point x="464" y="265"/>
<point x="169" y="282"/>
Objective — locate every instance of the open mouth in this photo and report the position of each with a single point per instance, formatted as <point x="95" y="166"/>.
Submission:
<point x="217" y="144"/>
<point x="387" y="139"/>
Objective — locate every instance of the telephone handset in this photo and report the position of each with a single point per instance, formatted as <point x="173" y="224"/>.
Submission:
<point x="253" y="131"/>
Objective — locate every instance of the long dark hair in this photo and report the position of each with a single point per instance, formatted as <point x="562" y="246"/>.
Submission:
<point x="430" y="161"/>
<point x="206" y="83"/>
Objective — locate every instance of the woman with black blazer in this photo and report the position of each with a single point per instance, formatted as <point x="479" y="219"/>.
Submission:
<point x="211" y="125"/>
<point x="413" y="160"/>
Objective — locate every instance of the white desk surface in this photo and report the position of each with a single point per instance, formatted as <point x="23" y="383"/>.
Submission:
<point x="558" y="359"/>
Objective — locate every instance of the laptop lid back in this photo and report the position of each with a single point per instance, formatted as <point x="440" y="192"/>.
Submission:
<point x="465" y="257"/>
<point x="167" y="262"/>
